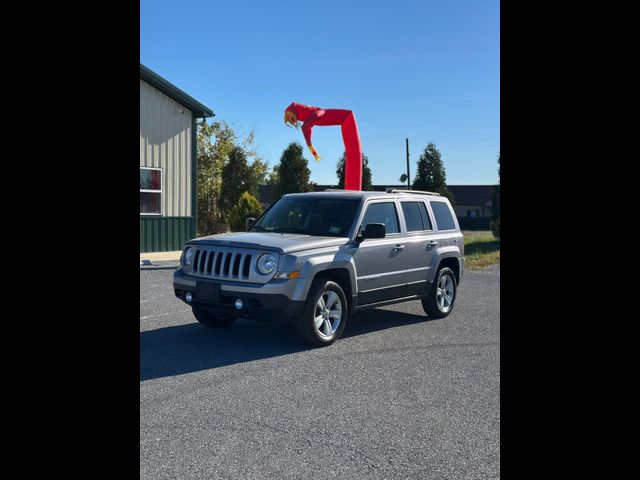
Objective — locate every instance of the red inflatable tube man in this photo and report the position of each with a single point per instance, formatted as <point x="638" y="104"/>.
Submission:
<point x="312" y="116"/>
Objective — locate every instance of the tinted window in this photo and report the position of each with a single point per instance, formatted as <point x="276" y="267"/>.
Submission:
<point x="444" y="220"/>
<point x="382" y="213"/>
<point x="412" y="216"/>
<point x="425" y="216"/>
<point x="308" y="215"/>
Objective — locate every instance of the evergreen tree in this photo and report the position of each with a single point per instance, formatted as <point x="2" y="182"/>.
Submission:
<point x="235" y="178"/>
<point x="430" y="174"/>
<point x="366" y="172"/>
<point x="238" y="177"/>
<point x="247" y="206"/>
<point x="292" y="172"/>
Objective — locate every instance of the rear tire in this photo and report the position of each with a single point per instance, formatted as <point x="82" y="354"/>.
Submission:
<point x="212" y="320"/>
<point x="442" y="296"/>
<point x="324" y="315"/>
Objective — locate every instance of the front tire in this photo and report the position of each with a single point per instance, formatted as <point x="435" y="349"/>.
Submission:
<point x="324" y="315"/>
<point x="212" y="320"/>
<point x="442" y="296"/>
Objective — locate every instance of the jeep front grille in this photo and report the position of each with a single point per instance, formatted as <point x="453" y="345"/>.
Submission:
<point x="226" y="263"/>
<point x="222" y="264"/>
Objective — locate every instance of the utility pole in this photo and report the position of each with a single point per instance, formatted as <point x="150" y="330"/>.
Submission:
<point x="408" y="174"/>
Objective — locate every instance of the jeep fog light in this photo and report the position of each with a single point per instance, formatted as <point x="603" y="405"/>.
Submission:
<point x="239" y="304"/>
<point x="287" y="275"/>
<point x="188" y="297"/>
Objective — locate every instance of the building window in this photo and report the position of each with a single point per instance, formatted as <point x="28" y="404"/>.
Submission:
<point x="150" y="191"/>
<point x="473" y="213"/>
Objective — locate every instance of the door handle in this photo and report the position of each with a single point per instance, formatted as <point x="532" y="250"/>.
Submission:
<point x="399" y="247"/>
<point x="432" y="243"/>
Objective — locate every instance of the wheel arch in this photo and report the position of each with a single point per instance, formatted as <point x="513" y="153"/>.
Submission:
<point x="342" y="277"/>
<point x="453" y="263"/>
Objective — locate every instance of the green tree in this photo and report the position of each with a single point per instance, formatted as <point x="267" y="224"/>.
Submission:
<point x="247" y="206"/>
<point x="273" y="177"/>
<point x="292" y="172"/>
<point x="216" y="142"/>
<point x="235" y="178"/>
<point x="430" y="174"/>
<point x="258" y="172"/>
<point x="366" y="172"/>
<point x="238" y="177"/>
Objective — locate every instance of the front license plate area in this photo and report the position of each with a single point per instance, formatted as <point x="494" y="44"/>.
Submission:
<point x="208" y="292"/>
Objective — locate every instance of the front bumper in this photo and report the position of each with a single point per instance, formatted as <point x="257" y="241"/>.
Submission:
<point x="261" y="301"/>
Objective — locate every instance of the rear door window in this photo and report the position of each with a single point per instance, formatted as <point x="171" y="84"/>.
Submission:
<point x="425" y="216"/>
<point x="412" y="216"/>
<point x="444" y="219"/>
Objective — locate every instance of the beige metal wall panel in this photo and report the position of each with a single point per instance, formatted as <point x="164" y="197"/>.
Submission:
<point x="165" y="142"/>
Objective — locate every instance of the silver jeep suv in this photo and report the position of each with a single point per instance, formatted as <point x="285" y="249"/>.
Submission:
<point x="316" y="258"/>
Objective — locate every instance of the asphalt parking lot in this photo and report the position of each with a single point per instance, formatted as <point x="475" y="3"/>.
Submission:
<point x="399" y="396"/>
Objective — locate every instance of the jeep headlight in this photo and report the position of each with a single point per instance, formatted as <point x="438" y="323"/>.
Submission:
<point x="187" y="256"/>
<point x="267" y="263"/>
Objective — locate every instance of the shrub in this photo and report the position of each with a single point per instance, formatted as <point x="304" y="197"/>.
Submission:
<point x="495" y="227"/>
<point x="247" y="206"/>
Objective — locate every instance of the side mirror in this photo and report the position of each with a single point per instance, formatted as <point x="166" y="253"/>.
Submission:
<point x="374" y="230"/>
<point x="248" y="223"/>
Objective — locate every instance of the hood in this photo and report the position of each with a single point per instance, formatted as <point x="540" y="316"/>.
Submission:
<point x="281" y="242"/>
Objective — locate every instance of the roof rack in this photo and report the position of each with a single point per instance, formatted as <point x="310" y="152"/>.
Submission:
<point x="396" y="190"/>
<point x="338" y="190"/>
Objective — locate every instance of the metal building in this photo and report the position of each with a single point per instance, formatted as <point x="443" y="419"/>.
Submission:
<point x="168" y="163"/>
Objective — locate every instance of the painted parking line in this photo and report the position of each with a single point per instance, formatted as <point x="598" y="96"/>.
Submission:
<point x="152" y="298"/>
<point x="164" y="314"/>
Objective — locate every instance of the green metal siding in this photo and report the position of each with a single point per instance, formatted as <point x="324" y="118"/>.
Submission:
<point x="165" y="234"/>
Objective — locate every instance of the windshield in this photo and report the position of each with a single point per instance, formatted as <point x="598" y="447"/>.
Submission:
<point x="310" y="216"/>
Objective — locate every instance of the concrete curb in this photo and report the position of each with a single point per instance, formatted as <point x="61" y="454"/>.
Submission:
<point x="149" y="259"/>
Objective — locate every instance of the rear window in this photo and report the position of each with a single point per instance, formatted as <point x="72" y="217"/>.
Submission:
<point x="444" y="220"/>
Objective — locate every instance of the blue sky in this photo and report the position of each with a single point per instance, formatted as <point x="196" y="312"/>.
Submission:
<point x="425" y="70"/>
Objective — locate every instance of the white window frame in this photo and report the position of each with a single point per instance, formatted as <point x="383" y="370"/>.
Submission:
<point x="155" y="191"/>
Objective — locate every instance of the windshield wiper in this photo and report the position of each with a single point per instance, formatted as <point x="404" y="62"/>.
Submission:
<point x="289" y="230"/>
<point x="262" y="229"/>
